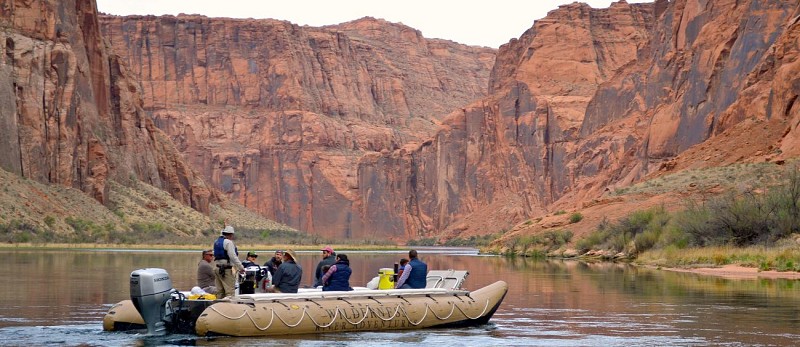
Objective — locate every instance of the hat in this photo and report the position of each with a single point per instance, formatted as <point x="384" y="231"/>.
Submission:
<point x="279" y="251"/>
<point x="252" y="254"/>
<point x="228" y="230"/>
<point x="290" y="253"/>
<point x="327" y="249"/>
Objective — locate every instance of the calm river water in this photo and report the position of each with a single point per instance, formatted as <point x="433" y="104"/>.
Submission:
<point x="58" y="297"/>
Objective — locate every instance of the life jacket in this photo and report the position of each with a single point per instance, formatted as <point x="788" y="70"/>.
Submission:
<point x="219" y="250"/>
<point x="339" y="280"/>
<point x="419" y="273"/>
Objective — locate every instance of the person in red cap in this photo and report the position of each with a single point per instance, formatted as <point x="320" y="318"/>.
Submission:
<point x="328" y="258"/>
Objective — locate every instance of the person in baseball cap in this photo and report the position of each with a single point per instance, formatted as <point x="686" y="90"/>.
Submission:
<point x="328" y="258"/>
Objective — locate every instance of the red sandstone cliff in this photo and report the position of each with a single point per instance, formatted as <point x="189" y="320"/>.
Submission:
<point x="716" y="85"/>
<point x="700" y="84"/>
<point x="510" y="156"/>
<point x="585" y="101"/>
<point x="279" y="115"/>
<point x="71" y="114"/>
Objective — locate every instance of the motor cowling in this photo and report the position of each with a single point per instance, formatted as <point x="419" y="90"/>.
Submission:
<point x="151" y="288"/>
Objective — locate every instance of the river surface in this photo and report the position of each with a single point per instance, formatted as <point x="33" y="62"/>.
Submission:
<point x="59" y="297"/>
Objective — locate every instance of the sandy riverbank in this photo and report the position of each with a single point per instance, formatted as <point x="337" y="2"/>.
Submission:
<point x="739" y="272"/>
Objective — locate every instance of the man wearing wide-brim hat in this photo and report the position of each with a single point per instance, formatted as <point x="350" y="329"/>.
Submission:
<point x="226" y="257"/>
<point x="287" y="278"/>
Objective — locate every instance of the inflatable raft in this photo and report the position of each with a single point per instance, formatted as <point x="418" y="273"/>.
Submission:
<point x="443" y="304"/>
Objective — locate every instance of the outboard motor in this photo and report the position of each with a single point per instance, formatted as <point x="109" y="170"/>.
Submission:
<point x="151" y="288"/>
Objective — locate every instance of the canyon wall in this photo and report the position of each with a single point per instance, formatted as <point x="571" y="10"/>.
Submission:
<point x="70" y="112"/>
<point x="279" y="115"/>
<point x="368" y="130"/>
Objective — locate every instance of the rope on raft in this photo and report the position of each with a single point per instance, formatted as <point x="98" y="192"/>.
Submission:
<point x="369" y="311"/>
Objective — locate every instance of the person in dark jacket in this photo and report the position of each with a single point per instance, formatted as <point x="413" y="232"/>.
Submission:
<point x="251" y="278"/>
<point x="273" y="263"/>
<point x="287" y="278"/>
<point x="328" y="258"/>
<point x="337" y="278"/>
<point x="414" y="274"/>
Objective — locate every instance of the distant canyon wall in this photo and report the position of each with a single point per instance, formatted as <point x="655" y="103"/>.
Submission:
<point x="368" y="130"/>
<point x="279" y="115"/>
<point x="71" y="114"/>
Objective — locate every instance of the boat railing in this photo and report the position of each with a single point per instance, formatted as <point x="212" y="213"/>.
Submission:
<point x="376" y="293"/>
<point x="446" y="279"/>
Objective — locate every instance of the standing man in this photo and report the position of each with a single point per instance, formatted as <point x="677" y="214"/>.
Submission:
<point x="414" y="274"/>
<point x="226" y="257"/>
<point x="205" y="273"/>
<point x="327" y="259"/>
<point x="287" y="278"/>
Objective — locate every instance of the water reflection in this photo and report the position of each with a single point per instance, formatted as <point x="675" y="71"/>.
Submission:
<point x="61" y="296"/>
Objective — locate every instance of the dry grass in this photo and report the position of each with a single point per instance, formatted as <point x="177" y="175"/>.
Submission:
<point x="715" y="179"/>
<point x="781" y="258"/>
<point x="31" y="202"/>
<point x="44" y="212"/>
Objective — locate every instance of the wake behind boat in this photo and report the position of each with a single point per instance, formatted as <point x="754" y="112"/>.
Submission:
<point x="441" y="304"/>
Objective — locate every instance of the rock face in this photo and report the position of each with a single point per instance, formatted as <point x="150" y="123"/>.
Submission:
<point x="70" y="112"/>
<point x="510" y="156"/>
<point x="338" y="130"/>
<point x="714" y="70"/>
<point x="278" y="115"/>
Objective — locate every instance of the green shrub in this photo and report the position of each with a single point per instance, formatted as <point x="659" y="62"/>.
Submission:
<point x="423" y="242"/>
<point x="539" y="244"/>
<point x="49" y="221"/>
<point x="472" y="241"/>
<point x="746" y="218"/>
<point x="640" y="229"/>
<point x="575" y="217"/>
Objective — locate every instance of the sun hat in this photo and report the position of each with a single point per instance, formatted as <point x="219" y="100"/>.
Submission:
<point x="290" y="253"/>
<point x="228" y="230"/>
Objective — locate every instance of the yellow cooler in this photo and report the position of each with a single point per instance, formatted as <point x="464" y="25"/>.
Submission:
<point x="386" y="276"/>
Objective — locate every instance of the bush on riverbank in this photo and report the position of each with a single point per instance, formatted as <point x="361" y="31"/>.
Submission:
<point x="752" y="218"/>
<point x="538" y="246"/>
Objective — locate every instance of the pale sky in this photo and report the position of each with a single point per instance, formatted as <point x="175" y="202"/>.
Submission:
<point x="481" y="23"/>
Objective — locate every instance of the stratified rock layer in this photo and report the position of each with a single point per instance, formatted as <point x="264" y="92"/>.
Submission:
<point x="339" y="130"/>
<point x="279" y="115"/>
<point x="71" y="114"/>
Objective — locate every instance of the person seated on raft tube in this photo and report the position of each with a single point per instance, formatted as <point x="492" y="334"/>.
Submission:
<point x="273" y="263"/>
<point x="328" y="258"/>
<point x="337" y="278"/>
<point x="403" y="262"/>
<point x="205" y="273"/>
<point x="414" y="274"/>
<point x="250" y="260"/>
<point x="287" y="278"/>
<point x="251" y="279"/>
